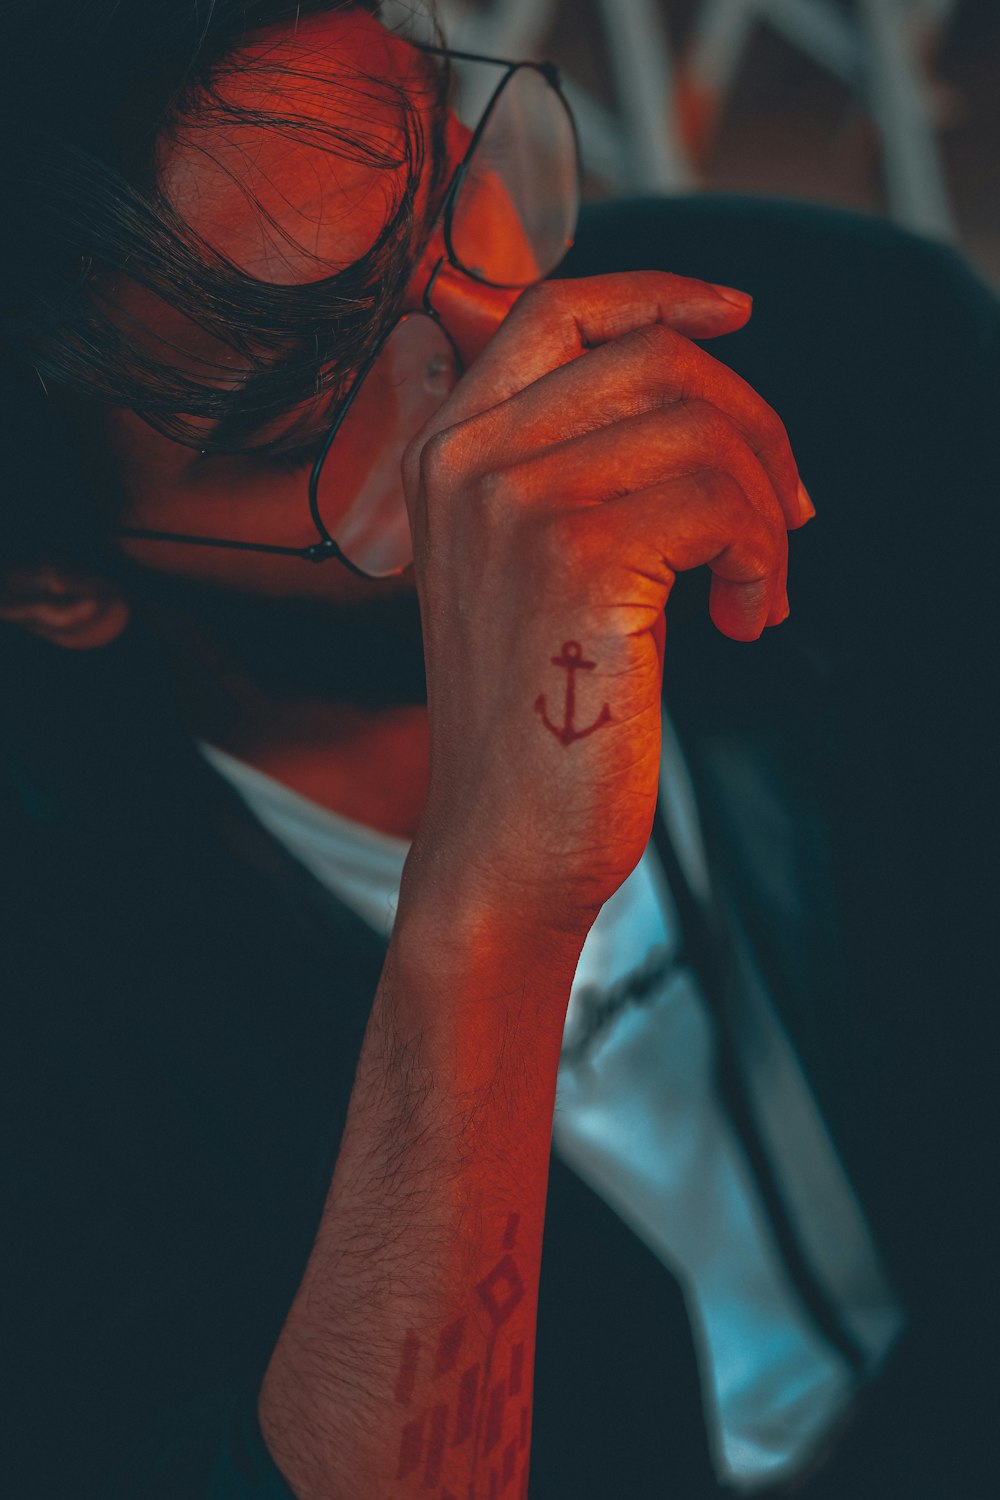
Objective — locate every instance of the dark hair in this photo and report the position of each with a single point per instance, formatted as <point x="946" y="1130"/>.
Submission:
<point x="86" y="88"/>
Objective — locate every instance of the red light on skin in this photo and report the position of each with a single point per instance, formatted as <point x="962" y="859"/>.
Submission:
<point x="319" y="214"/>
<point x="470" y="1404"/>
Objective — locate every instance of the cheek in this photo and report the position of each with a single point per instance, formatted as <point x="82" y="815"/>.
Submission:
<point x="239" y="500"/>
<point x="168" y="490"/>
<point x="161" y="495"/>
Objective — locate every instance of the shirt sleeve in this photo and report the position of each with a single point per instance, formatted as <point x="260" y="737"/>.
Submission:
<point x="244" y="1469"/>
<point x="211" y="1449"/>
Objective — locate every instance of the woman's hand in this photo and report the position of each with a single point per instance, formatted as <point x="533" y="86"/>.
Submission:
<point x="590" y="454"/>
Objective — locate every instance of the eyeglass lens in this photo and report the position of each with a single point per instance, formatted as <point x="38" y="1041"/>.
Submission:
<point x="512" y="221"/>
<point x="414" y="373"/>
<point x="515" y="214"/>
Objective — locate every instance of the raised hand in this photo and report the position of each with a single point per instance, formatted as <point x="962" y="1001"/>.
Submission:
<point x="592" y="452"/>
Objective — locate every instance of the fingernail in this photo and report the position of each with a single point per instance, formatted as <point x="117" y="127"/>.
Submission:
<point x="742" y="300"/>
<point x="806" y="506"/>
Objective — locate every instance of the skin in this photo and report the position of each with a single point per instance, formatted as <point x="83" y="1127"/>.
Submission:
<point x="590" y="453"/>
<point x="370" y="762"/>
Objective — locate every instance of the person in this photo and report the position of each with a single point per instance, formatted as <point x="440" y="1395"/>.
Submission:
<point x="322" y="880"/>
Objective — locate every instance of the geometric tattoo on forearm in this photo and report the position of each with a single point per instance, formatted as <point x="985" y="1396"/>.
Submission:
<point x="485" y="1412"/>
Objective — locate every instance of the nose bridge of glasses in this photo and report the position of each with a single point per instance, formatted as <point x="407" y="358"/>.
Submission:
<point x="426" y="270"/>
<point x="481" y="253"/>
<point x="436" y="251"/>
<point x="470" y="311"/>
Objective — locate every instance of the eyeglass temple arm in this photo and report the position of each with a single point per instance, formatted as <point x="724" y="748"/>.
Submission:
<point x="549" y="69"/>
<point x="317" y="552"/>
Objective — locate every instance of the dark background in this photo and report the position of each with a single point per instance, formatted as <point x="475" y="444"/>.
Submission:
<point x="790" y="129"/>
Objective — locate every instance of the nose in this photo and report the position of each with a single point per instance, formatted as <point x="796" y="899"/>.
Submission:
<point x="470" y="311"/>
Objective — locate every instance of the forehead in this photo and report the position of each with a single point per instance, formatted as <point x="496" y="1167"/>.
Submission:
<point x="290" y="164"/>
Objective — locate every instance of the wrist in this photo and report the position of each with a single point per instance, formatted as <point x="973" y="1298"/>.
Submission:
<point x="479" y="978"/>
<point x="454" y="933"/>
<point x="455" y="887"/>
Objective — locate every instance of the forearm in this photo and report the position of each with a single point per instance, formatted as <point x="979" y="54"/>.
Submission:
<point x="406" y="1358"/>
<point x="590" y="454"/>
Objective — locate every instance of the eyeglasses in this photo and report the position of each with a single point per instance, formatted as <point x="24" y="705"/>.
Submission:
<point x="524" y="154"/>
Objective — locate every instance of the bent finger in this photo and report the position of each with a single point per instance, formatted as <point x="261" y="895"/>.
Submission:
<point x="644" y="371"/>
<point x="637" y="453"/>
<point x="554" y="323"/>
<point x="688" y="521"/>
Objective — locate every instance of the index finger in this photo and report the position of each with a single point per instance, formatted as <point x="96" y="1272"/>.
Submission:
<point x="557" y="321"/>
<point x="553" y="324"/>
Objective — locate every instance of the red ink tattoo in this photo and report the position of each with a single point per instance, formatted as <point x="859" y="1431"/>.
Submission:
<point x="449" y="1348"/>
<point x="572" y="662"/>
<point x="466" y="1406"/>
<point x="481" y="1402"/>
<point x="509" y="1459"/>
<point x="411" y="1448"/>
<point x="407" y="1377"/>
<point x="435" y="1447"/>
<point x="504" y="1273"/>
<point x="494" y="1418"/>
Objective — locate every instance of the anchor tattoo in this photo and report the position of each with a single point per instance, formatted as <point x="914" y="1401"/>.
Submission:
<point x="572" y="662"/>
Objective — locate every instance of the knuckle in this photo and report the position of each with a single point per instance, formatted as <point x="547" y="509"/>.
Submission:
<point x="708" y="485"/>
<point x="777" y="445"/>
<point x="705" y="414"/>
<point x="764" y="548"/>
<point x="655" y="340"/>
<point x="494" y="493"/>
<point x="438" y="458"/>
<point x="412" y="465"/>
<point x="727" y="495"/>
<point x="738" y="518"/>
<point x="718" y="506"/>
<point x="728" y="450"/>
<point x="748" y="561"/>
<point x="709" y="428"/>
<point x="544" y="295"/>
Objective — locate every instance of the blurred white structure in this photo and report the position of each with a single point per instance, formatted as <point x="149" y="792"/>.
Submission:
<point x="634" y="147"/>
<point x="876" y="47"/>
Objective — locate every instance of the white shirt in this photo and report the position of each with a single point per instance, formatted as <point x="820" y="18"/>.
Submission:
<point x="639" y="1119"/>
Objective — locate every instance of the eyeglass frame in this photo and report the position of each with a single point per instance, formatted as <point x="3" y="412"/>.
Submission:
<point x="327" y="547"/>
